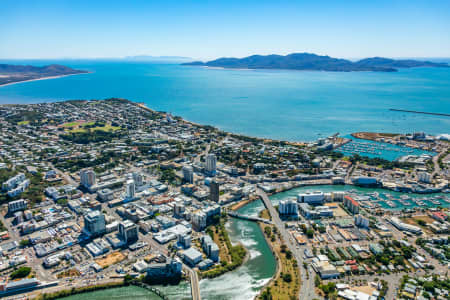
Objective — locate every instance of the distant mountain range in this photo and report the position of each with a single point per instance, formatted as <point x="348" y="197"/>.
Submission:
<point x="156" y="58"/>
<point x="309" y="61"/>
<point x="17" y="73"/>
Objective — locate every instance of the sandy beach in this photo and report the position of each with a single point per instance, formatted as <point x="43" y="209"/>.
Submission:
<point x="41" y="78"/>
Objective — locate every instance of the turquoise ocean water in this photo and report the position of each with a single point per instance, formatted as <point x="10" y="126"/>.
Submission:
<point x="290" y="105"/>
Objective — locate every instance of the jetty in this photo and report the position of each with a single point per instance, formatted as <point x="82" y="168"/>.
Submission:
<point x="420" y="112"/>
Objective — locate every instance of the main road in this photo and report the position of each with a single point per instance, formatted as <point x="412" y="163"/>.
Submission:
<point x="307" y="290"/>
<point x="195" y="286"/>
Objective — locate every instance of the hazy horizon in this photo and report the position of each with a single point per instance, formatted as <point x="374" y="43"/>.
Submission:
<point x="186" y="58"/>
<point x="201" y="30"/>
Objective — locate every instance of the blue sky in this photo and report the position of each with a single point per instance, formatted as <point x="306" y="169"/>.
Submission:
<point x="210" y="29"/>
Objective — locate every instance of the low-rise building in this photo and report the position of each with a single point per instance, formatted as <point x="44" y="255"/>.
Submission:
<point x="192" y="256"/>
<point x="17" y="205"/>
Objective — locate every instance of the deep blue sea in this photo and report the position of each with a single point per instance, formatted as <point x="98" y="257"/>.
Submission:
<point x="290" y="105"/>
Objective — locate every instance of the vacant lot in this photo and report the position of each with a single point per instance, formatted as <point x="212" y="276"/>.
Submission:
<point x="110" y="259"/>
<point x="337" y="210"/>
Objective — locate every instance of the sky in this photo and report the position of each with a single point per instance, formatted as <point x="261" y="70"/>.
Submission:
<point x="232" y="28"/>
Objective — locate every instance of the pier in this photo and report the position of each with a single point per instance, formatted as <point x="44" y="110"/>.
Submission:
<point x="248" y="218"/>
<point x="420" y="112"/>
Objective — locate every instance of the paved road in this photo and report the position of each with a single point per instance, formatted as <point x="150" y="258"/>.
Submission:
<point x="307" y="290"/>
<point x="64" y="175"/>
<point x="349" y="173"/>
<point x="197" y="159"/>
<point x="195" y="286"/>
<point x="437" y="168"/>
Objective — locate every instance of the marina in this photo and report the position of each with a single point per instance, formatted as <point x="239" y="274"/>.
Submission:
<point x="373" y="198"/>
<point x="378" y="149"/>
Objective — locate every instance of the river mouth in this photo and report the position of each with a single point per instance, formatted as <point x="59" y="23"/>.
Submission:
<point x="245" y="282"/>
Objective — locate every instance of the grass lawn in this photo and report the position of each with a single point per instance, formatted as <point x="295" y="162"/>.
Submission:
<point x="107" y="128"/>
<point x="70" y="124"/>
<point x="102" y="128"/>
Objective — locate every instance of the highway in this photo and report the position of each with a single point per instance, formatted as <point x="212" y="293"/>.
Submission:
<point x="307" y="290"/>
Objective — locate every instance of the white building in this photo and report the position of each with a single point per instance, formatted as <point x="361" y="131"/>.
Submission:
<point x="188" y="174"/>
<point x="211" y="249"/>
<point x="178" y="209"/>
<point x="316" y="197"/>
<point x="87" y="177"/>
<point x="128" y="231"/>
<point x="138" y="179"/>
<point x="17" y="205"/>
<point x="211" y="162"/>
<point x="199" y="220"/>
<point x="172" y="268"/>
<point x="424" y="177"/>
<point x="405" y="227"/>
<point x="94" y="223"/>
<point x="19" y="189"/>
<point x="130" y="189"/>
<point x="184" y="240"/>
<point x="13" y="182"/>
<point x="361" y="221"/>
<point x="288" y="207"/>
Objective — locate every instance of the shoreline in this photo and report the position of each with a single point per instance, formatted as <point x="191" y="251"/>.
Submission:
<point x="277" y="259"/>
<point x="42" y="78"/>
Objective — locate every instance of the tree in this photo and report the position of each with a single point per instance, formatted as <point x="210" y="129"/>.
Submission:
<point x="421" y="222"/>
<point x="20" y="273"/>
<point x="127" y="279"/>
<point x="267" y="294"/>
<point x="287" y="277"/>
<point x="317" y="280"/>
<point x="24" y="243"/>
<point x="309" y="233"/>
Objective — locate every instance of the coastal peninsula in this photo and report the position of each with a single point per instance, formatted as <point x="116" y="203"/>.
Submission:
<point x="10" y="74"/>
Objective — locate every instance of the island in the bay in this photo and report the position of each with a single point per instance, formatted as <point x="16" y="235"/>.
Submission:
<point x="313" y="62"/>
<point x="17" y="73"/>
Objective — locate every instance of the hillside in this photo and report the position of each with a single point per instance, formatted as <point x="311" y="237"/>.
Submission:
<point x="17" y="73"/>
<point x="308" y="61"/>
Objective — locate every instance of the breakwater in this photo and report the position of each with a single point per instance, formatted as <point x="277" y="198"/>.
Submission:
<point x="420" y="112"/>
